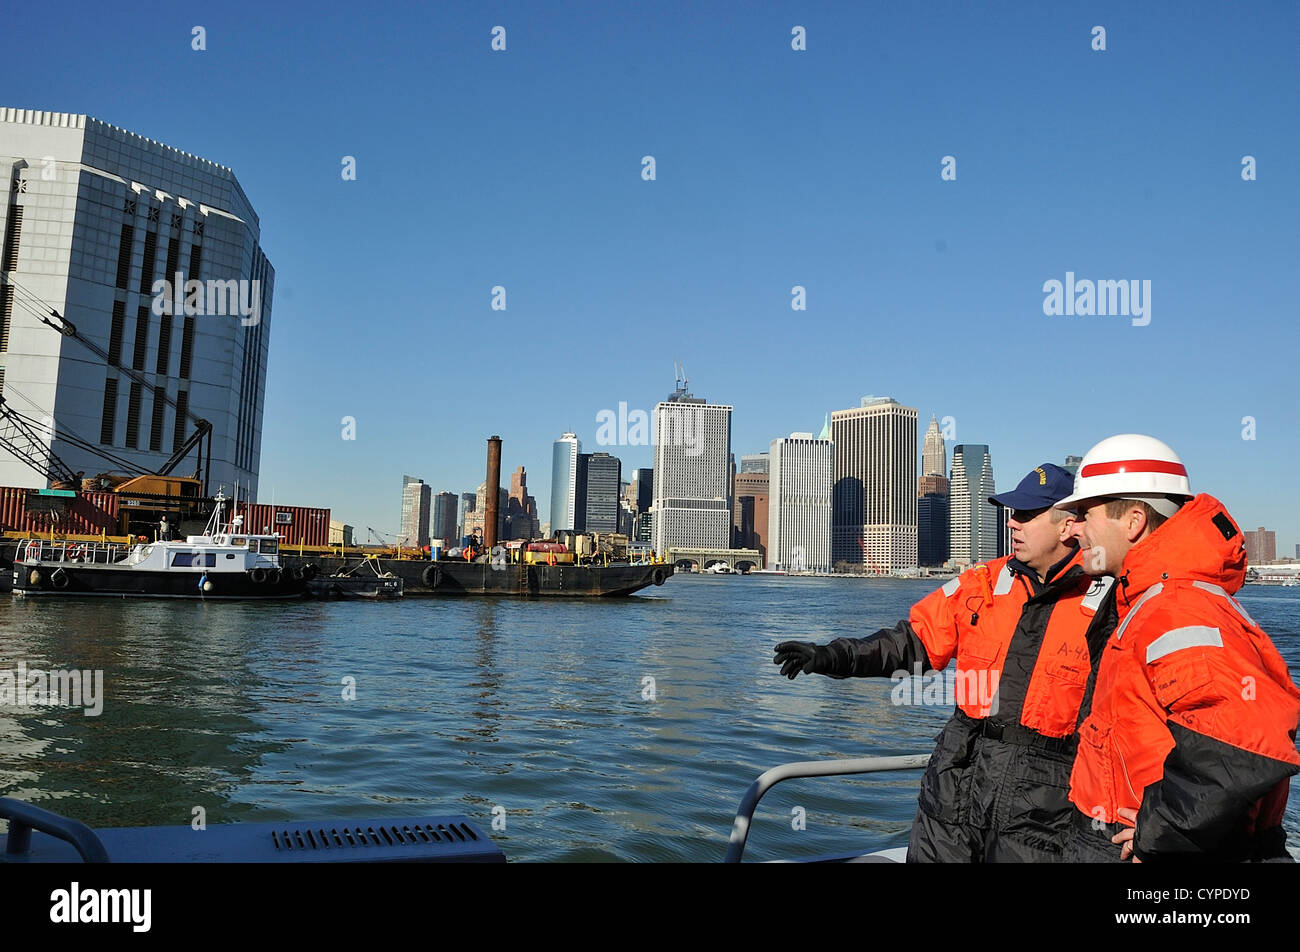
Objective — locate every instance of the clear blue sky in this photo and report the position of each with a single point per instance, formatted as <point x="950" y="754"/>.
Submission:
<point x="774" y="168"/>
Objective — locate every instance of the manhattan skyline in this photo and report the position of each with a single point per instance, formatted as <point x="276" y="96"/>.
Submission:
<point x="775" y="169"/>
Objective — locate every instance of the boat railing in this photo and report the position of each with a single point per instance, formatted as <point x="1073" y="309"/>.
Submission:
<point x="807" y="768"/>
<point x="68" y="550"/>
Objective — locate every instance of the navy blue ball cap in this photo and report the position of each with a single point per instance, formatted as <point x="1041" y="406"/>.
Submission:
<point x="1045" y="486"/>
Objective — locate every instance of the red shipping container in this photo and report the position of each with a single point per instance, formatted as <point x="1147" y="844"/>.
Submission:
<point x="293" y="524"/>
<point x="87" y="514"/>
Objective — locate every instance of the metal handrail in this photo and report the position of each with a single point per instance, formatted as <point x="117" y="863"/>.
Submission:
<point x="807" y="768"/>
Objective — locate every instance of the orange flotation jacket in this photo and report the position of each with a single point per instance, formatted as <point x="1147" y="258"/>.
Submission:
<point x="1192" y="720"/>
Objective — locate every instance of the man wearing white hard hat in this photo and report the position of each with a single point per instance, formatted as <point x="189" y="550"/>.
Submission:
<point x="1187" y="729"/>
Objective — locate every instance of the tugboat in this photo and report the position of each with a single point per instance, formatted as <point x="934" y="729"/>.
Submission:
<point x="222" y="563"/>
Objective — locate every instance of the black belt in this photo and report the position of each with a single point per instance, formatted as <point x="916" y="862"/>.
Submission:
<point x="1018" y="734"/>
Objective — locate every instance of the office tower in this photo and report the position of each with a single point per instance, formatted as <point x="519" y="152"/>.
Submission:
<point x="564" y="482"/>
<point x="444" y="517"/>
<point x="601" y="476"/>
<point x="934" y="460"/>
<point x="521" y="514"/>
<point x="467" y="503"/>
<point x="974" y="534"/>
<point x="479" y="513"/>
<point x="932" y="528"/>
<point x="1002" y="515"/>
<point x="691" y="482"/>
<point x="1261" y="546"/>
<point x="754" y="462"/>
<point x="1072" y="464"/>
<point x="750" y="508"/>
<point x="414" y="531"/>
<point x="874" y="494"/>
<point x="95" y="220"/>
<point x="800" y="503"/>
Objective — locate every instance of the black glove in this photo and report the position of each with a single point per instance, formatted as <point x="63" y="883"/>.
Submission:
<point x="796" y="656"/>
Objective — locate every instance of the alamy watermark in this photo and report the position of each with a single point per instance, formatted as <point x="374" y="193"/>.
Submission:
<point x="32" y="687"/>
<point x="210" y="298"/>
<point x="681" y="425"/>
<point x="945" y="688"/>
<point x="1085" y="298"/>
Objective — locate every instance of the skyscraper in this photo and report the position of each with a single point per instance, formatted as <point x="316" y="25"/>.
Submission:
<point x="692" y="469"/>
<point x="600" y="508"/>
<point x="799" y="506"/>
<point x="444" y="517"/>
<point x="521" y="515"/>
<point x="1261" y="546"/>
<point x="416" y="494"/>
<point x="934" y="460"/>
<point x="467" y="503"/>
<point x="95" y="220"/>
<point x="754" y="462"/>
<point x="564" y="482"/>
<point x="874" y="496"/>
<point x="932" y="526"/>
<point x="974" y="536"/>
<point x="750" y="507"/>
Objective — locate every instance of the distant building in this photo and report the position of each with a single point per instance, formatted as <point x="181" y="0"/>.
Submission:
<point x="603" y="473"/>
<point x="475" y="519"/>
<point x="521" y="512"/>
<point x="564" y="482"/>
<point x="933" y="528"/>
<point x="444" y="517"/>
<point x="467" y="503"/>
<point x="692" y="485"/>
<point x="1072" y="464"/>
<point x="340" y="533"/>
<point x="874" y="495"/>
<point x="1261" y="546"/>
<point x="750" y="502"/>
<point x="755" y="463"/>
<point x="1003" y="515"/>
<point x="800" y="506"/>
<point x="974" y="523"/>
<point x="416" y="495"/>
<point x="934" y="460"/>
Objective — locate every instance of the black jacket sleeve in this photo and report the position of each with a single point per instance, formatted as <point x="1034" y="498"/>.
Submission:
<point x="878" y="655"/>
<point x="1199" y="809"/>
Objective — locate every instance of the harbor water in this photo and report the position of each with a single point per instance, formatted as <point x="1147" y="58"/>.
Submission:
<point x="601" y="729"/>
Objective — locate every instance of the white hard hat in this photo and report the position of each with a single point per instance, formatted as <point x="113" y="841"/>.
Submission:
<point x="1131" y="466"/>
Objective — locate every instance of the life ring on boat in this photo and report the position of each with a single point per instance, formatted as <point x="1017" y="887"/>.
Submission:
<point x="658" y="576"/>
<point x="59" y="578"/>
<point x="257" y="575"/>
<point x="432" y="576"/>
<point x="273" y="576"/>
<point x="74" y="551"/>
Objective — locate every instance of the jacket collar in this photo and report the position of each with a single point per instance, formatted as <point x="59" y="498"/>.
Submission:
<point x="1199" y="543"/>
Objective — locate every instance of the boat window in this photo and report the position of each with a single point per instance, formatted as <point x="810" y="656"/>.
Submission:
<point x="269" y="547"/>
<point x="252" y="545"/>
<point x="194" y="559"/>
<point x="238" y="540"/>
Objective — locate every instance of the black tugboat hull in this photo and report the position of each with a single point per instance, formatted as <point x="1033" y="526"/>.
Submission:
<point x="131" y="583"/>
<point x="451" y="577"/>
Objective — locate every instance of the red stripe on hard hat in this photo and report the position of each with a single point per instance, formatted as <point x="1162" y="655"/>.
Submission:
<point x="1134" y="466"/>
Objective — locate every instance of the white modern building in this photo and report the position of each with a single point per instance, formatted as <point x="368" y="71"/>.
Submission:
<point x="692" y="474"/>
<point x="564" y="482"/>
<point x="799" y="503"/>
<point x="94" y="218"/>
<point x="416" y="499"/>
<point x="874" y="495"/>
<point x="974" y="521"/>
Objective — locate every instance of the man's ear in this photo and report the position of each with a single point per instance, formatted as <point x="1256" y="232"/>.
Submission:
<point x="1135" y="523"/>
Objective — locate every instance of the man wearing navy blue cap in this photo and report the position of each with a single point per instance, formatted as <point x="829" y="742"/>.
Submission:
<point x="1025" y="630"/>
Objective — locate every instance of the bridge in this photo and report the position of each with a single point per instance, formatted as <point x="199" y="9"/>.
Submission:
<point x="696" y="560"/>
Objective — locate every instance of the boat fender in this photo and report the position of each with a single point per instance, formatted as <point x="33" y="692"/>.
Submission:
<point x="207" y="586"/>
<point x="432" y="576"/>
<point x="34" y="578"/>
<point x="297" y="573"/>
<point x="658" y="576"/>
<point x="273" y="576"/>
<point x="258" y="575"/>
<point x="59" y="578"/>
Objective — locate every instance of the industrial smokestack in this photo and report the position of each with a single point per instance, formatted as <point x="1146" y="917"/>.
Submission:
<point x="493" y="492"/>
